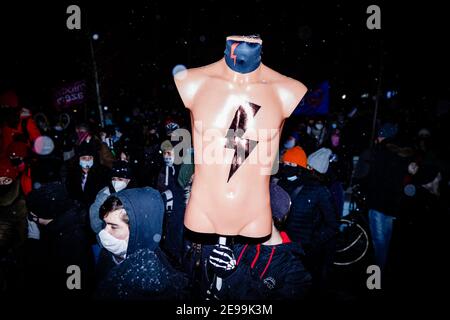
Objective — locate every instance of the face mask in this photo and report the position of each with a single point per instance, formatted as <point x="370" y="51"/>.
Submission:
<point x="119" y="185"/>
<point x="116" y="246"/>
<point x="289" y="171"/>
<point x="335" y="140"/>
<point x="86" y="164"/>
<point x="289" y="144"/>
<point x="319" y="126"/>
<point x="169" y="160"/>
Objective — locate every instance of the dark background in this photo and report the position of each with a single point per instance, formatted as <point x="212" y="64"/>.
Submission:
<point x="140" y="43"/>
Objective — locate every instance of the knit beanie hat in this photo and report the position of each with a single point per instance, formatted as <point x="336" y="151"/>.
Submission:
<point x="121" y="169"/>
<point x="49" y="200"/>
<point x="295" y="155"/>
<point x="320" y="160"/>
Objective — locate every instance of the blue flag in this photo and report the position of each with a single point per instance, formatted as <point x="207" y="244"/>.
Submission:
<point x="315" y="102"/>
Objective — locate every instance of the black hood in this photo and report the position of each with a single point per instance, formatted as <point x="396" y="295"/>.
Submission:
<point x="145" y="209"/>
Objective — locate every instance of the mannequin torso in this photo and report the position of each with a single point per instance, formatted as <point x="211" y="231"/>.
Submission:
<point x="230" y="191"/>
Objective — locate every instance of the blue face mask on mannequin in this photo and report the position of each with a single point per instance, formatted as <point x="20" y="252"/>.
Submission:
<point x="243" y="57"/>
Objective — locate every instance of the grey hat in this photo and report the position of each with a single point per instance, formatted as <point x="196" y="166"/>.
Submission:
<point x="320" y="160"/>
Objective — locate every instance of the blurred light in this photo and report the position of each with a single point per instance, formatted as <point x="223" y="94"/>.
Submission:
<point x="344" y="96"/>
<point x="95" y="36"/>
<point x="179" y="72"/>
<point x="105" y="108"/>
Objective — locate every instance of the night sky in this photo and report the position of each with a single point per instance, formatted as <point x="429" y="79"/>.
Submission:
<point x="140" y="43"/>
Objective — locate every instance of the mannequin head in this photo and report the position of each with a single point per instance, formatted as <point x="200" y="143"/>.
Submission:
<point x="243" y="53"/>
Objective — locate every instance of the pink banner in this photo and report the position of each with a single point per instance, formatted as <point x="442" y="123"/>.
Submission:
<point x="70" y="94"/>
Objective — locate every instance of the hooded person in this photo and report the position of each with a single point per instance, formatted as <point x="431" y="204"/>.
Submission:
<point x="63" y="240"/>
<point x="136" y="268"/>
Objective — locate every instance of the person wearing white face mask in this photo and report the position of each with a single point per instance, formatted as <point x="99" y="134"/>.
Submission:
<point x="319" y="132"/>
<point x="121" y="178"/>
<point x="167" y="178"/>
<point x="133" y="221"/>
<point x="88" y="178"/>
<point x="114" y="237"/>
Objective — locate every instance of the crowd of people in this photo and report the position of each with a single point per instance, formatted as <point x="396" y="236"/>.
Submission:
<point x="110" y="200"/>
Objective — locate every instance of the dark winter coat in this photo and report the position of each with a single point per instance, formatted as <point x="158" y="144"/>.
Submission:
<point x="63" y="242"/>
<point x="267" y="272"/>
<point x="312" y="221"/>
<point x="98" y="177"/>
<point x="388" y="169"/>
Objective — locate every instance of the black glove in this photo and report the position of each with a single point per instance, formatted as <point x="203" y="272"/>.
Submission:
<point x="222" y="261"/>
<point x="212" y="293"/>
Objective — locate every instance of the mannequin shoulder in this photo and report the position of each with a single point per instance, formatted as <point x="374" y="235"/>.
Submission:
<point x="188" y="82"/>
<point x="290" y="92"/>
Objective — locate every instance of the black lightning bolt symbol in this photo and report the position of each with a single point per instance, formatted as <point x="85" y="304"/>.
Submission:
<point x="242" y="147"/>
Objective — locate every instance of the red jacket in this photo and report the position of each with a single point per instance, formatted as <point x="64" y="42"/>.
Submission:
<point x="7" y="133"/>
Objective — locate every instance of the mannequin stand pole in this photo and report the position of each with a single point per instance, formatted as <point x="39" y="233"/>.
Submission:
<point x="223" y="241"/>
